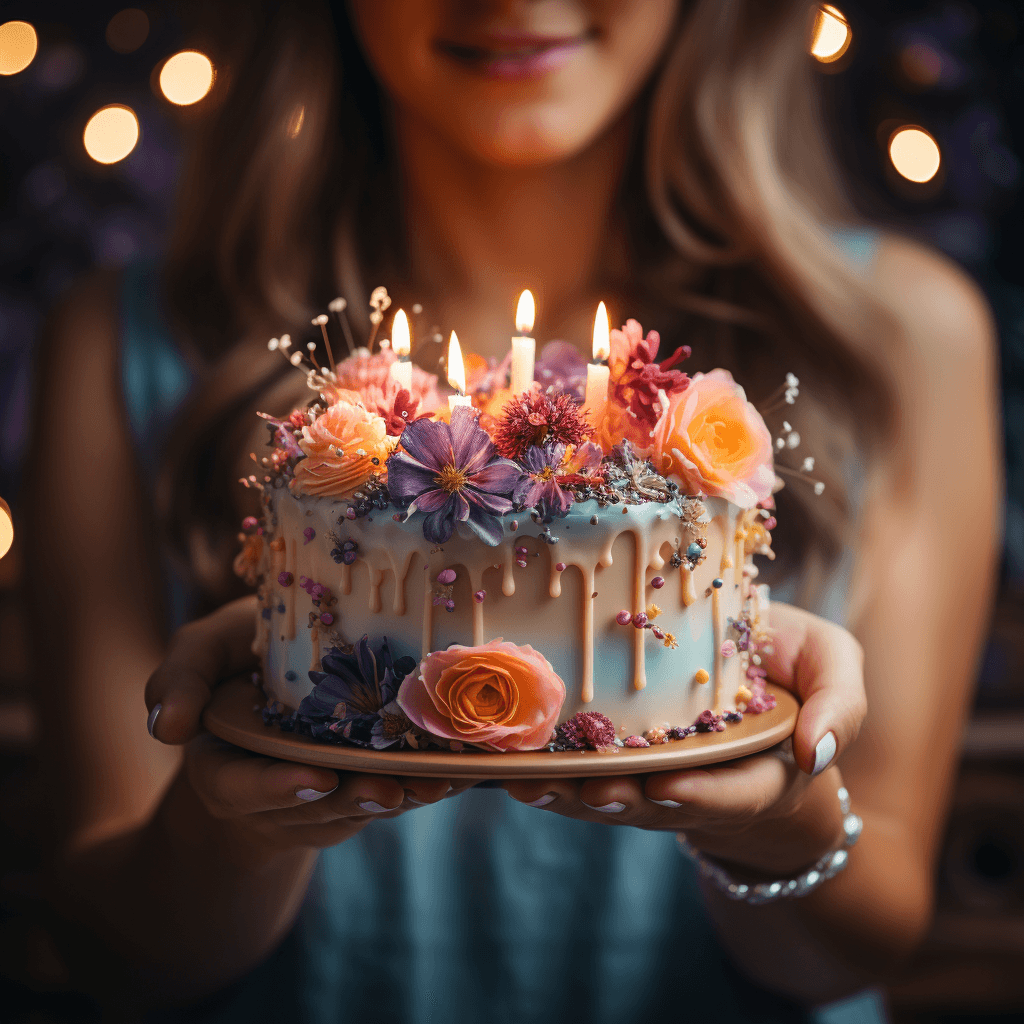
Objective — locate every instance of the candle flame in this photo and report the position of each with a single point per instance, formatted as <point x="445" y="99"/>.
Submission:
<point x="525" y="312"/>
<point x="602" y="332"/>
<point x="456" y="369"/>
<point x="401" y="343"/>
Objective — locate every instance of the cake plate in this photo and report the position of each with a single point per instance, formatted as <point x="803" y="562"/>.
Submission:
<point x="232" y="715"/>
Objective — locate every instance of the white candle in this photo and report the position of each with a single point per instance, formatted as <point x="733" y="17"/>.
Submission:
<point x="597" y="371"/>
<point x="401" y="345"/>
<point x="524" y="348"/>
<point x="457" y="375"/>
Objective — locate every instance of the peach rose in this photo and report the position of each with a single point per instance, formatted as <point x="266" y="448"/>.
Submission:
<point x="712" y="439"/>
<point x="340" y="446"/>
<point x="498" y="696"/>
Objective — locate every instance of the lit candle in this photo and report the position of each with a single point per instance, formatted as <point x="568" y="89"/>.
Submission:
<point x="457" y="375"/>
<point x="401" y="345"/>
<point x="524" y="348"/>
<point x="597" y="371"/>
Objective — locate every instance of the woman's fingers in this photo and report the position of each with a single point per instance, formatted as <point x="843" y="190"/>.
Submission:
<point x="822" y="663"/>
<point x="200" y="655"/>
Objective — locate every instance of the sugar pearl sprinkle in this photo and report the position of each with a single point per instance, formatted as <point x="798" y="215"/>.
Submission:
<point x="658" y="582"/>
<point x="446" y="577"/>
<point x="480" y="596"/>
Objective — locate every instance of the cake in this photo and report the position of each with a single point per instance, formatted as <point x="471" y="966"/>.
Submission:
<point x="533" y="571"/>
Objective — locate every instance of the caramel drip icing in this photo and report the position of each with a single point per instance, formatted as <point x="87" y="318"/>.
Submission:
<point x="729" y="528"/>
<point x="587" y="694"/>
<point x="346" y="579"/>
<point x="291" y="592"/>
<point x="427" y="644"/>
<point x="376" y="579"/>
<point x="401" y="574"/>
<point x="508" y="580"/>
<point x="476" y="582"/>
<point x="688" y="590"/>
<point x="314" y="639"/>
<point x="639" y="603"/>
<point x="741" y="551"/>
<point x="555" y="579"/>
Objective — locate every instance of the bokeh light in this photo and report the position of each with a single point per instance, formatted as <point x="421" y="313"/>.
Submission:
<point x="6" y="528"/>
<point x="914" y="153"/>
<point x="18" y="46"/>
<point x="296" y="121"/>
<point x="111" y="133"/>
<point x="186" y="77"/>
<point x="127" y="30"/>
<point x="832" y="35"/>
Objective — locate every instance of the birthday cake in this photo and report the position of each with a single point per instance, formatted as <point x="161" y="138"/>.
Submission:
<point x="567" y="567"/>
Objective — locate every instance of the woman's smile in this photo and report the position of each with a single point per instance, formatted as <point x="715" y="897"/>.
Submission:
<point x="516" y="55"/>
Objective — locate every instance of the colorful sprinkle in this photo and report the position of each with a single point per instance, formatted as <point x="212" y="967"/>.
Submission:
<point x="521" y="562"/>
<point x="446" y="577"/>
<point x="449" y="605"/>
<point x="479" y="596"/>
<point x="635" y="741"/>
<point x="728" y="648"/>
<point x="350" y="513"/>
<point x="624" y="618"/>
<point x="249" y="523"/>
<point x="640" y="620"/>
<point x="718" y="583"/>
<point x="560" y="566"/>
<point x="327" y="618"/>
<point x="701" y="676"/>
<point x="657" y="633"/>
<point x="309" y="533"/>
<point x="694" y="551"/>
<point x="348" y="557"/>
<point x="286" y="579"/>
<point x="658" y="582"/>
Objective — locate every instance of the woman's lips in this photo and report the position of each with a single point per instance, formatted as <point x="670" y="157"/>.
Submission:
<point x="516" y="56"/>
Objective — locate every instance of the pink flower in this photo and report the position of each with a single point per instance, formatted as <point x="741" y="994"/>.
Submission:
<point x="370" y="376"/>
<point x="498" y="696"/>
<point x="713" y="440"/>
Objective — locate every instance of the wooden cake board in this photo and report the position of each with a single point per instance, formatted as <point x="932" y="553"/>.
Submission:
<point x="232" y="716"/>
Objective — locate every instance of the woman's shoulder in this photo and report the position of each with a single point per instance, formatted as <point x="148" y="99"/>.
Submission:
<point x="943" y="313"/>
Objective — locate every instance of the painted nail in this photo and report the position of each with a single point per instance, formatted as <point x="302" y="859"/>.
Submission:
<point x="151" y="721"/>
<point x="309" y="795"/>
<point x="541" y="801"/>
<point x="373" y="807"/>
<point x="667" y="803"/>
<point x="410" y="799"/>
<point x="824" y="752"/>
<point x="613" y="808"/>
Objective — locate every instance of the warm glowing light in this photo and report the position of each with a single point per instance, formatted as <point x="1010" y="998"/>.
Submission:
<point x="602" y="332"/>
<point x="18" y="45"/>
<point x="296" y="121"/>
<point x="914" y="154"/>
<point x="526" y="311"/>
<point x="127" y="30"/>
<point x="401" y="342"/>
<point x="111" y="133"/>
<point x="456" y="368"/>
<point x="186" y="77"/>
<point x="832" y="35"/>
<point x="6" y="528"/>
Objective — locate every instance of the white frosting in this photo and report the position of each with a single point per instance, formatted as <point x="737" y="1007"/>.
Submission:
<point x="568" y="616"/>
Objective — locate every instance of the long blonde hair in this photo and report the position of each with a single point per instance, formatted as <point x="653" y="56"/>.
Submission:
<point x="732" y="202"/>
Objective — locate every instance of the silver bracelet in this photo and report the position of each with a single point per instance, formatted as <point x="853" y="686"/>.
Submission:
<point x="807" y="881"/>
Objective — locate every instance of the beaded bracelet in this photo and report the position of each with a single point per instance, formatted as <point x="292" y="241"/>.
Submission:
<point x="806" y="882"/>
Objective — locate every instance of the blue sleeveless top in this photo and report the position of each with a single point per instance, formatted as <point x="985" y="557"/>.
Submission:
<point x="478" y="908"/>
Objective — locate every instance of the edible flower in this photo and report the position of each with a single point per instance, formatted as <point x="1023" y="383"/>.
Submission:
<point x="356" y="693"/>
<point x="343" y="446"/>
<point x="535" y="419"/>
<point x="635" y="379"/>
<point x="548" y="473"/>
<point x="498" y="696"/>
<point x="711" y="439"/>
<point x="450" y="471"/>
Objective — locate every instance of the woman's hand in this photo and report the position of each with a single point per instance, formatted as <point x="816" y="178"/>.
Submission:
<point x="774" y="812"/>
<point x="280" y="804"/>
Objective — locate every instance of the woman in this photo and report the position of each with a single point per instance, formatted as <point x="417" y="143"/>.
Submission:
<point x="664" y="156"/>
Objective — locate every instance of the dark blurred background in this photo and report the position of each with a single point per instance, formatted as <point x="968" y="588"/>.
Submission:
<point x="954" y="71"/>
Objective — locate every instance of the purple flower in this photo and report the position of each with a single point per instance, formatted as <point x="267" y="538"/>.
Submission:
<point x="450" y="472"/>
<point x="539" y="488"/>
<point x="563" y="367"/>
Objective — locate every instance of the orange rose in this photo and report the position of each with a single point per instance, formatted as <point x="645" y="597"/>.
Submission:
<point x="340" y="446"/>
<point x="713" y="440"/>
<point x="497" y="696"/>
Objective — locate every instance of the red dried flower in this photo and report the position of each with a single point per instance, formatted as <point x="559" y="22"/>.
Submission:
<point x="635" y="378"/>
<point x="535" y="419"/>
<point x="587" y="729"/>
<point x="401" y="413"/>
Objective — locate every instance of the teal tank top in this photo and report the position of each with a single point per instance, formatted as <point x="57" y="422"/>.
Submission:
<point x="478" y="908"/>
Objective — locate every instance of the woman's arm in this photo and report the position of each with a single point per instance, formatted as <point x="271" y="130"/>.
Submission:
<point x="921" y="597"/>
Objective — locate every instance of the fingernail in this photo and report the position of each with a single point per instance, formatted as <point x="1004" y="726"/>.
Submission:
<point x="666" y="803"/>
<point x="410" y="799"/>
<point x="373" y="807"/>
<point x="313" y="794"/>
<point x="541" y="801"/>
<point x="613" y="808"/>
<point x="151" y="721"/>
<point x="824" y="752"/>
